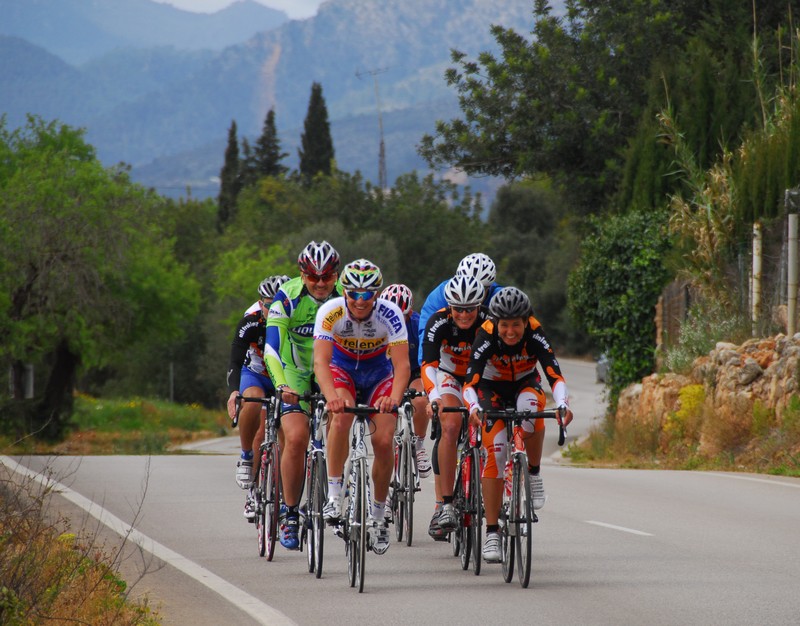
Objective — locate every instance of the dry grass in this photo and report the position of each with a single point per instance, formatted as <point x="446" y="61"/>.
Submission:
<point x="49" y="574"/>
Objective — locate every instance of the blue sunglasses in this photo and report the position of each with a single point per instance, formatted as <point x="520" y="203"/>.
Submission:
<point x="361" y="295"/>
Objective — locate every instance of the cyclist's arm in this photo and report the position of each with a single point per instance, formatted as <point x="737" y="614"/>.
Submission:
<point x="277" y="336"/>
<point x="323" y="353"/>
<point x="402" y="372"/>
<point x="477" y="363"/>
<point x="433" y="303"/>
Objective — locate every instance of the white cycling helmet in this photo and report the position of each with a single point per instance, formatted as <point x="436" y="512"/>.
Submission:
<point x="269" y="286"/>
<point x="509" y="303"/>
<point x="318" y="259"/>
<point x="480" y="266"/>
<point x="464" y="291"/>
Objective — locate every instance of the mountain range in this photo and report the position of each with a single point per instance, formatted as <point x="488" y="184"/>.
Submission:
<point x="157" y="87"/>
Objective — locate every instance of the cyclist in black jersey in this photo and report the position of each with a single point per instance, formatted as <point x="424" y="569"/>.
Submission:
<point x="248" y="376"/>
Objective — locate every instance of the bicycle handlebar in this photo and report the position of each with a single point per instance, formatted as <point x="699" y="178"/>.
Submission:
<point x="518" y="416"/>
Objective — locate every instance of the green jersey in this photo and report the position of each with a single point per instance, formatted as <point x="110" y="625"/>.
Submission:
<point x="290" y="335"/>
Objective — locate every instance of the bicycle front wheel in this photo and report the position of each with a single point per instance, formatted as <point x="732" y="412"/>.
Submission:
<point x="461" y="538"/>
<point x="475" y="508"/>
<point x="523" y="515"/>
<point x="398" y="510"/>
<point x="319" y="494"/>
<point x="273" y="500"/>
<point x="357" y="537"/>
<point x="260" y="503"/>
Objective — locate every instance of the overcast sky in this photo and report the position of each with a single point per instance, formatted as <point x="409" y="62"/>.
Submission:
<point x="296" y="9"/>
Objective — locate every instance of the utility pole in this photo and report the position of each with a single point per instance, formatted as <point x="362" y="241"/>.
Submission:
<point x="382" y="147"/>
<point x="791" y="203"/>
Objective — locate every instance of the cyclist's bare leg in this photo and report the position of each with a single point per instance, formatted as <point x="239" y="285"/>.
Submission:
<point x="492" y="498"/>
<point x="382" y="440"/>
<point x="249" y="416"/>
<point x="338" y="445"/>
<point x="420" y="414"/>
<point x="534" y="442"/>
<point x="295" y="432"/>
<point x="448" y="443"/>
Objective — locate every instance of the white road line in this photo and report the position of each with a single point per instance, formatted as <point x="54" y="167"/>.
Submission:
<point x="255" y="608"/>
<point x="621" y="528"/>
<point x="780" y="483"/>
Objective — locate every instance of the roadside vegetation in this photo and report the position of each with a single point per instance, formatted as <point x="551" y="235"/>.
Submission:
<point x="49" y="574"/>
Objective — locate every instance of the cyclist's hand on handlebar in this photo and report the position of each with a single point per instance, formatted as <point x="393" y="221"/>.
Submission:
<point x="288" y="395"/>
<point x="476" y="418"/>
<point x="336" y="405"/>
<point x="385" y="404"/>
<point x="565" y="416"/>
<point x="231" y="404"/>
<point x="432" y="409"/>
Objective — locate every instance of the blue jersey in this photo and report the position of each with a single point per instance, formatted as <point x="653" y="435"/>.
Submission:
<point x="436" y="301"/>
<point x="412" y="325"/>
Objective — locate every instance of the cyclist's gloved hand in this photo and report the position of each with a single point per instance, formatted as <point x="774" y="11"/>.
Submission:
<point x="565" y="415"/>
<point x="336" y="405"/>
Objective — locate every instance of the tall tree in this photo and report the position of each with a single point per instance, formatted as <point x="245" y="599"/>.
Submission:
<point x="316" y="151"/>
<point x="229" y="180"/>
<point x="267" y="152"/>
<point x="87" y="268"/>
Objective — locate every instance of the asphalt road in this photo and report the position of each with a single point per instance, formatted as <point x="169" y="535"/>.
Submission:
<point x="612" y="547"/>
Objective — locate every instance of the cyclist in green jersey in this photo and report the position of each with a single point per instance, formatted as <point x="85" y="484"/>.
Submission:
<point x="288" y="357"/>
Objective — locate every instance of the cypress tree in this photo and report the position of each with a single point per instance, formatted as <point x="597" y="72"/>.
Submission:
<point x="316" y="152"/>
<point x="230" y="181"/>
<point x="248" y="167"/>
<point x="268" y="155"/>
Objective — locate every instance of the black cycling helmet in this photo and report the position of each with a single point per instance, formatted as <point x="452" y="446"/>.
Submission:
<point x="318" y="259"/>
<point x="464" y="290"/>
<point x="509" y="303"/>
<point x="400" y="295"/>
<point x="270" y="285"/>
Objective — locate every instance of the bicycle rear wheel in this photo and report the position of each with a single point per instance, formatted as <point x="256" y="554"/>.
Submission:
<point x="398" y="510"/>
<point x="260" y="503"/>
<point x="408" y="490"/>
<point x="319" y="494"/>
<point x="273" y="499"/>
<point x="507" y="539"/>
<point x="461" y="537"/>
<point x="306" y="537"/>
<point x="475" y="510"/>
<point x="523" y="514"/>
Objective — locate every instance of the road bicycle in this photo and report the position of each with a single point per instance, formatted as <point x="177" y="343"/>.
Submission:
<point x="467" y="500"/>
<point x="405" y="478"/>
<point x="312" y="531"/>
<point x="516" y="513"/>
<point x="353" y="524"/>
<point x="267" y="490"/>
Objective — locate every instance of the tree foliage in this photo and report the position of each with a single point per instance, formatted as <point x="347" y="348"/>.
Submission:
<point x="92" y="271"/>
<point x="612" y="294"/>
<point x="316" y="144"/>
<point x="230" y="180"/>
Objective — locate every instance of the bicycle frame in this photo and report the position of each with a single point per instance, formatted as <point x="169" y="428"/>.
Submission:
<point x="405" y="479"/>
<point x="517" y="515"/>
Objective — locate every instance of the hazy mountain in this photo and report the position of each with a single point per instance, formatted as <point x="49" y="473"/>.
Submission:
<point x="78" y="30"/>
<point x="167" y="111"/>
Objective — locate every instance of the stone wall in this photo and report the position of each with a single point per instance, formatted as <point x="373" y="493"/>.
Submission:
<point x="735" y="379"/>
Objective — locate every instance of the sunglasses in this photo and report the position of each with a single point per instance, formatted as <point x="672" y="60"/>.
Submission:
<point x="266" y="301"/>
<point x="464" y="309"/>
<point x="320" y="278"/>
<point x="361" y="295"/>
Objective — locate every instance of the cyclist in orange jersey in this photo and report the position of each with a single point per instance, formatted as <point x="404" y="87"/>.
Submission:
<point x="502" y="371"/>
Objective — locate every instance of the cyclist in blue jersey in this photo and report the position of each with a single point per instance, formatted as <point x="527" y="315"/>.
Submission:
<point x="402" y="296"/>
<point x="247" y="375"/>
<point x="478" y="265"/>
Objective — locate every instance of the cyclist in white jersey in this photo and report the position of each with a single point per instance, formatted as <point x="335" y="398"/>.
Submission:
<point x="352" y="335"/>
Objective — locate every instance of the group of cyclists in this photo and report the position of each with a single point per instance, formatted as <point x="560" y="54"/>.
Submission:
<point x="340" y="332"/>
